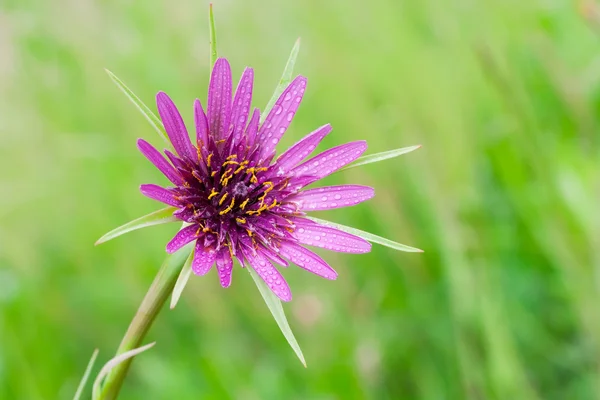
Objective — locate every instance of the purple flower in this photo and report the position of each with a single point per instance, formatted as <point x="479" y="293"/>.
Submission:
<point x="236" y="199"/>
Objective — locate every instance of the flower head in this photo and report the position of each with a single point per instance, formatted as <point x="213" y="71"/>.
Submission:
<point x="236" y="200"/>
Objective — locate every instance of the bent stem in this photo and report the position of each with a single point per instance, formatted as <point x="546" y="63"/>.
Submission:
<point x="153" y="302"/>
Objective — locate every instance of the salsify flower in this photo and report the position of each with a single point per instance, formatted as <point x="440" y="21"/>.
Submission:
<point x="236" y="199"/>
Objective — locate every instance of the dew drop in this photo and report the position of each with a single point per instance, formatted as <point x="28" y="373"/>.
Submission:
<point x="337" y="197"/>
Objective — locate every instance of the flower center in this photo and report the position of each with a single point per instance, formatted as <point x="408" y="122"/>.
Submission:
<point x="230" y="191"/>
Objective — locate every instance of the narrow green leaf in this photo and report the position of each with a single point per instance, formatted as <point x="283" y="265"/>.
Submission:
<point x="285" y="79"/>
<point x="161" y="216"/>
<point x="113" y="363"/>
<point x="385" y="155"/>
<point x="150" y="116"/>
<point x="213" y="37"/>
<point x="276" y="309"/>
<point x="368" y="236"/>
<point x="86" y="375"/>
<point x="184" y="275"/>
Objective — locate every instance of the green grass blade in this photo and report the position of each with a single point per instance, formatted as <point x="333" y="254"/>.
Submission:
<point x="182" y="280"/>
<point x="368" y="236"/>
<point x="285" y="79"/>
<point x="86" y="375"/>
<point x="213" y="37"/>
<point x="276" y="309"/>
<point x="161" y="216"/>
<point x="150" y="116"/>
<point x="113" y="363"/>
<point x="384" y="155"/>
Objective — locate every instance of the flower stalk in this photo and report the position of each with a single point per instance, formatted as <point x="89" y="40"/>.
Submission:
<point x="153" y="302"/>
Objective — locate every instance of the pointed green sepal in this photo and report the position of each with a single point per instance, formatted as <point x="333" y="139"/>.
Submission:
<point x="384" y="155"/>
<point x="182" y="280"/>
<point x="148" y="114"/>
<point x="368" y="236"/>
<point x="284" y="81"/>
<point x="161" y="216"/>
<point x="212" y="36"/>
<point x="274" y="305"/>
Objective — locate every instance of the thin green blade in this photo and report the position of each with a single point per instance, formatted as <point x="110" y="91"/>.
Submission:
<point x="161" y="216"/>
<point x="213" y="37"/>
<point x="182" y="280"/>
<point x="274" y="305"/>
<point x="113" y="363"/>
<point x="285" y="79"/>
<point x="384" y="155"/>
<point x="86" y="375"/>
<point x="368" y="236"/>
<point x="150" y="116"/>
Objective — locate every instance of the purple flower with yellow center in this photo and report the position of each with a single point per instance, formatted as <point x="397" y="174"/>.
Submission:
<point x="237" y="200"/>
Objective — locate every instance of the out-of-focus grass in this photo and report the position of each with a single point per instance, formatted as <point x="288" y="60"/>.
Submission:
<point x="503" y="197"/>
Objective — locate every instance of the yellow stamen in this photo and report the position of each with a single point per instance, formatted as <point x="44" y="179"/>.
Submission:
<point x="223" y="198"/>
<point x="213" y="173"/>
<point x="230" y="163"/>
<point x="208" y="159"/>
<point x="231" y="157"/>
<point x="226" y="177"/>
<point x="274" y="204"/>
<point x="249" y="232"/>
<point x="241" y="220"/>
<point x="241" y="167"/>
<point x="243" y="205"/>
<point x="270" y="187"/>
<point x="225" y="211"/>
<point x="212" y="194"/>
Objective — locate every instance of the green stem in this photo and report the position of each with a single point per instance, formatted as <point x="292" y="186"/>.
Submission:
<point x="153" y="302"/>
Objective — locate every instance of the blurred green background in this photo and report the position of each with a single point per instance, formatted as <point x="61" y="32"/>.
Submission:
<point x="503" y="197"/>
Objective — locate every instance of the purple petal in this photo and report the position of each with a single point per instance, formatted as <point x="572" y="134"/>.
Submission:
<point x="156" y="192"/>
<point x="201" y="124"/>
<point x="269" y="274"/>
<point x="182" y="238"/>
<point x="159" y="162"/>
<point x="331" y="160"/>
<point x="306" y="259"/>
<point x="313" y="234"/>
<point x="203" y="259"/>
<point x="219" y="99"/>
<point x="224" y="267"/>
<point x="281" y="116"/>
<point x="271" y="255"/>
<point x="252" y="128"/>
<point x="298" y="152"/>
<point x="328" y="197"/>
<point x="241" y="104"/>
<point x="174" y="126"/>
